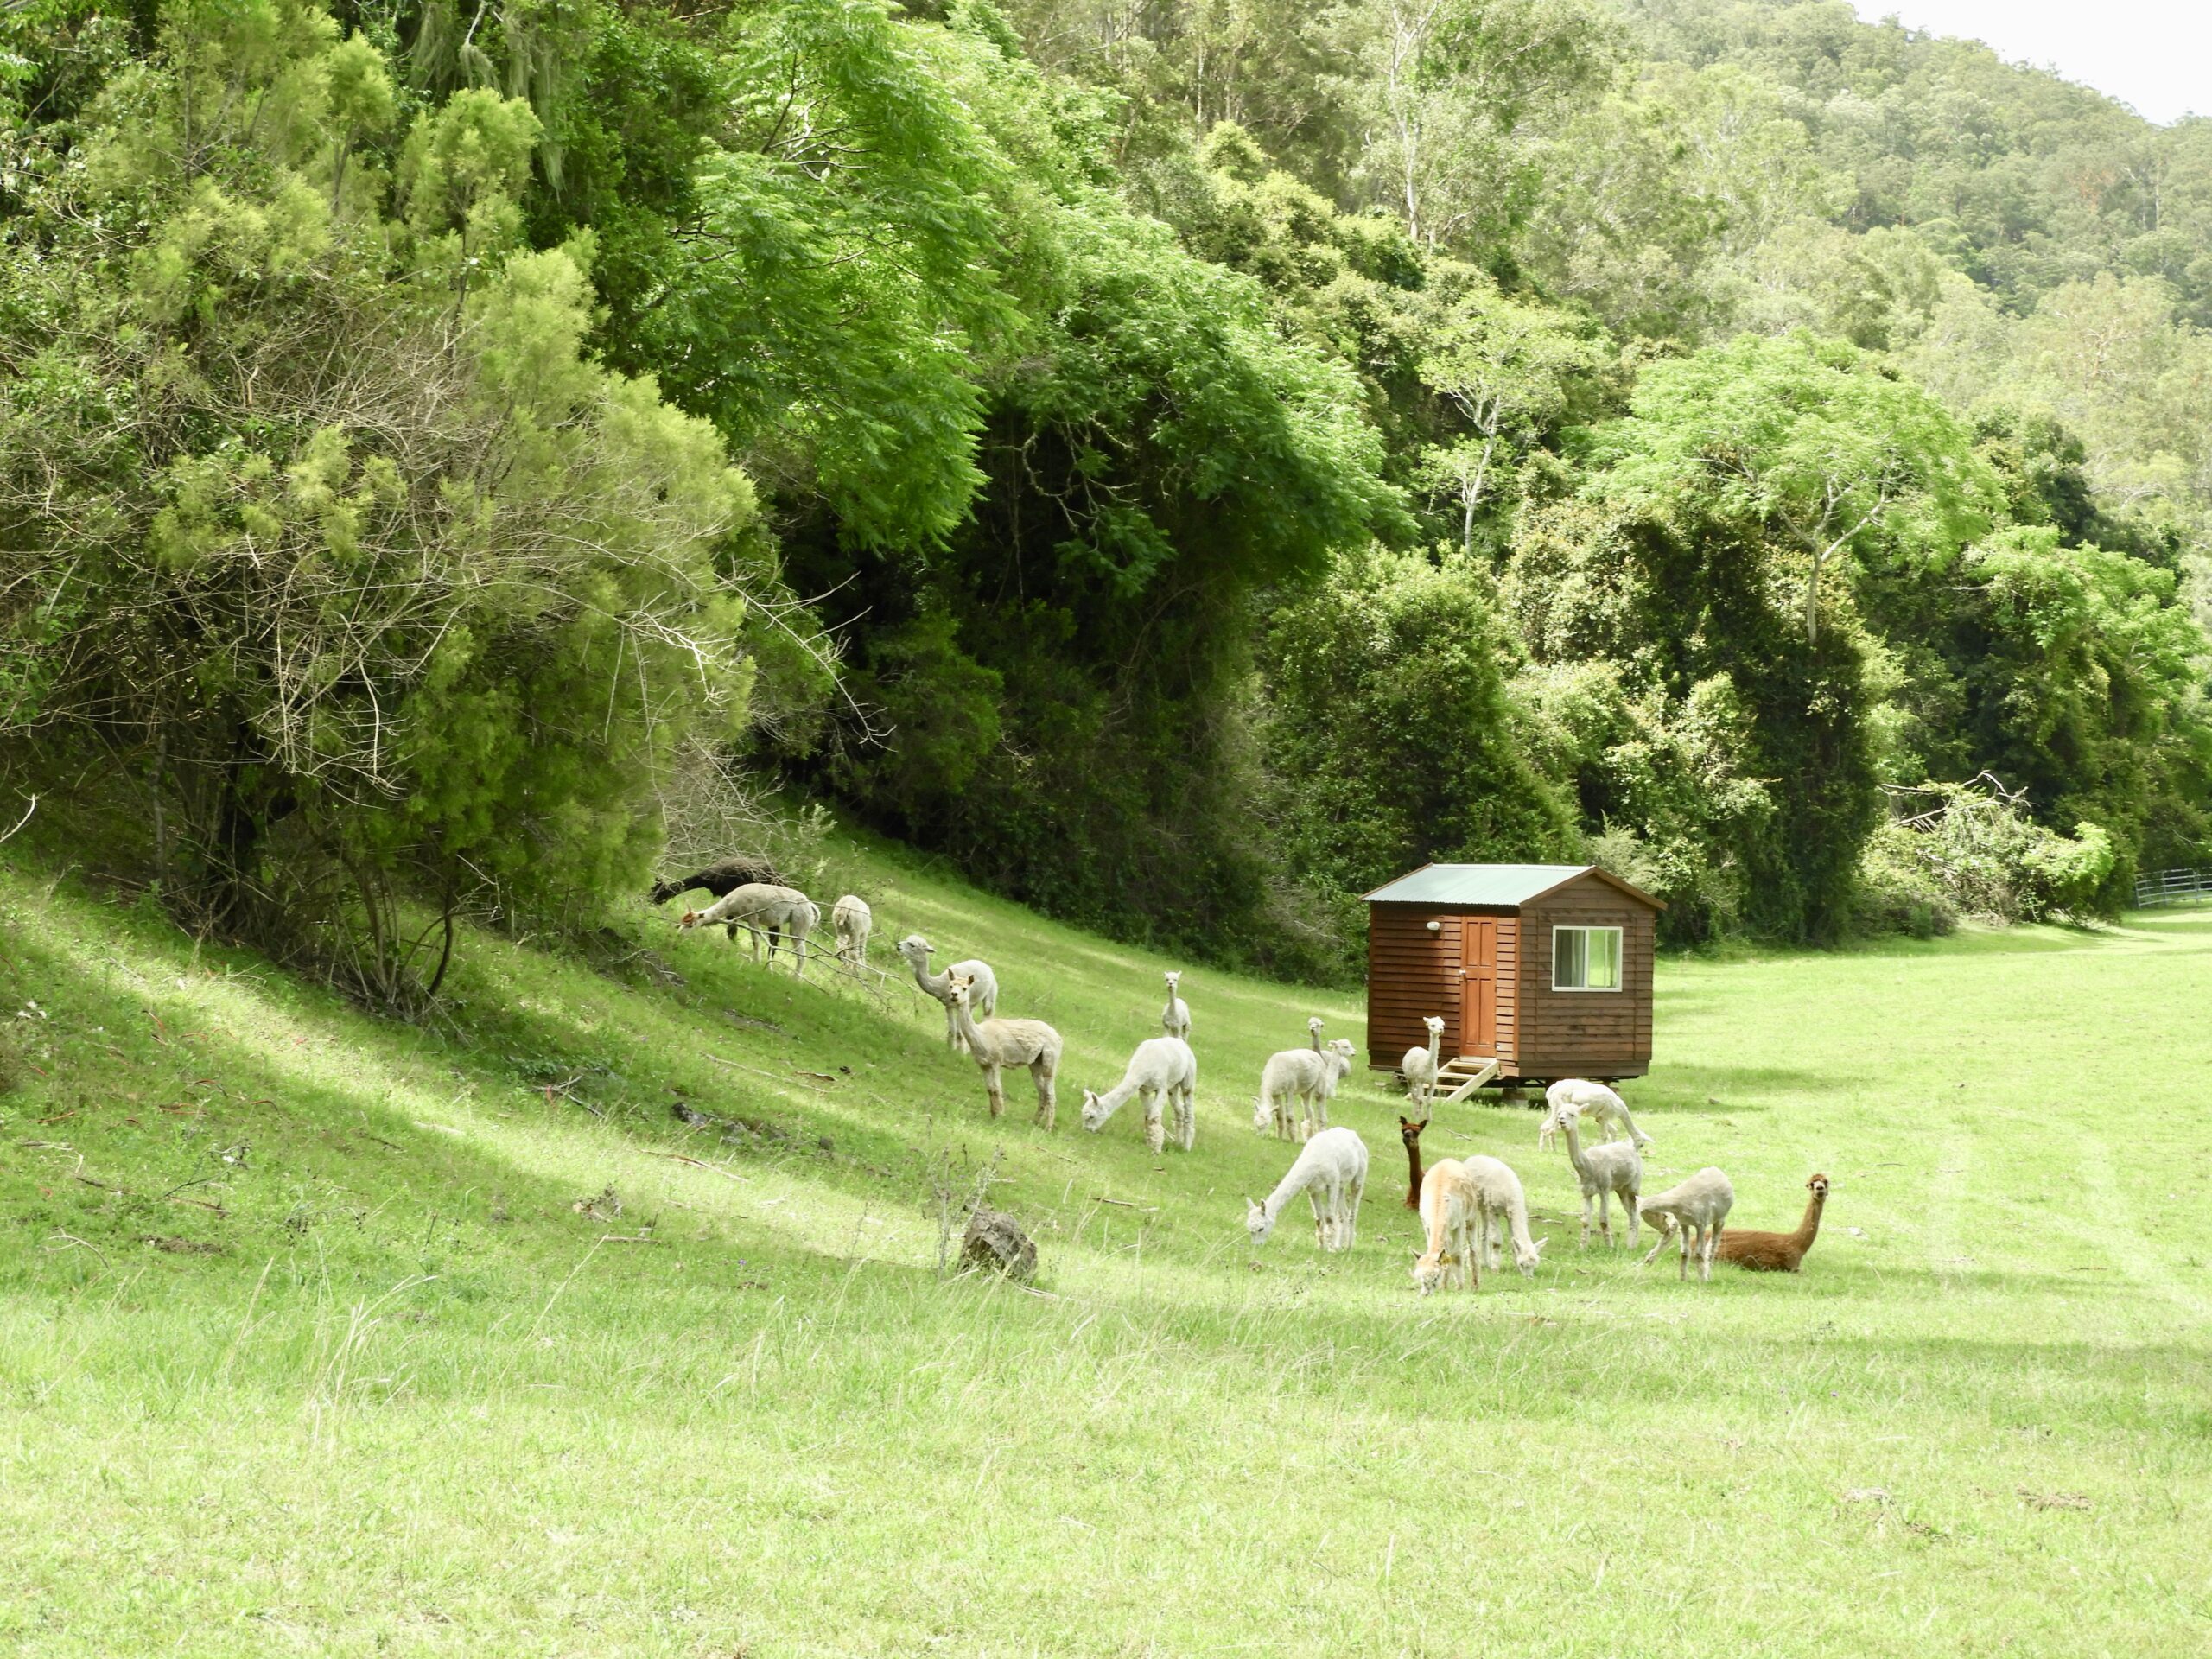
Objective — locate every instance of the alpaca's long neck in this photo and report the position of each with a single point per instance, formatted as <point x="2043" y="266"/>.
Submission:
<point x="1810" y="1229"/>
<point x="1301" y="1177"/>
<point x="1115" y="1098"/>
<point x="935" y="985"/>
<point x="1575" y="1150"/>
<point x="964" y="1022"/>
<point x="1435" y="1048"/>
<point x="1517" y="1220"/>
<point x="1413" y="1174"/>
<point x="1439" y="1221"/>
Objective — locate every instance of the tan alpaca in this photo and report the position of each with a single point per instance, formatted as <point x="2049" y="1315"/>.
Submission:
<point x="1447" y="1215"/>
<point x="998" y="1043"/>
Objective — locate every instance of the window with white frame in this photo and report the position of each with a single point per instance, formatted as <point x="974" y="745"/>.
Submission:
<point x="1586" y="958"/>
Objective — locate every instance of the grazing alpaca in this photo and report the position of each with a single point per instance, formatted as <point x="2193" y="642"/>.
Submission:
<point x="852" y="921"/>
<point x="1608" y="1168"/>
<point x="1290" y="1076"/>
<point x="1447" y="1219"/>
<point x="719" y="879"/>
<point x="1696" y="1207"/>
<point x="1777" y="1252"/>
<point x="1163" y="1068"/>
<point x="983" y="993"/>
<point x="785" y="914"/>
<point x="1175" y="1019"/>
<point x="1332" y="1171"/>
<point x="998" y="1043"/>
<point x="1409" y="1132"/>
<point x="1499" y="1197"/>
<point x="1598" y="1104"/>
<point x="1419" y="1067"/>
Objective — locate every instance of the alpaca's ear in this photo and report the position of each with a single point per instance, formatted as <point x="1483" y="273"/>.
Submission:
<point x="1540" y="1242"/>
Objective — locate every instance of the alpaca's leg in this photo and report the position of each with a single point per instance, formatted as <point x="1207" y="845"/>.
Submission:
<point x="1585" y="1218"/>
<point x="1044" y="1073"/>
<point x="994" y="1088"/>
<point x="1635" y="1223"/>
<point x="1711" y="1243"/>
<point x="1356" y="1190"/>
<point x="1660" y="1230"/>
<point x="1156" y="1134"/>
<point x="1319" y="1202"/>
<point x="1605" y="1215"/>
<point x="1187" y="1112"/>
<point x="796" y="942"/>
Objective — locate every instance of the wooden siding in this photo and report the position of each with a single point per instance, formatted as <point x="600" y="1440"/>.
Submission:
<point x="1411" y="973"/>
<point x="1587" y="1034"/>
<point x="1540" y="1033"/>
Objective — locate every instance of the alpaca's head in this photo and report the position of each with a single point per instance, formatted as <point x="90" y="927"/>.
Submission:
<point x="1564" y="1116"/>
<point x="1257" y="1222"/>
<point x="1525" y="1257"/>
<point x="916" y="949"/>
<point x="1429" y="1271"/>
<point x="1313" y="1022"/>
<point x="957" y="988"/>
<point x="1174" y="979"/>
<point x="690" y="920"/>
<point x="1435" y="1025"/>
<point x="1263" y="1115"/>
<point x="1818" y="1187"/>
<point x="1409" y="1131"/>
<point x="1094" y="1112"/>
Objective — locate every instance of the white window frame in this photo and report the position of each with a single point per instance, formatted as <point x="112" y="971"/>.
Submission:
<point x="1620" y="960"/>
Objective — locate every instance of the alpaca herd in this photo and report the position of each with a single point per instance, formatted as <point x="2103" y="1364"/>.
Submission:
<point x="1468" y="1207"/>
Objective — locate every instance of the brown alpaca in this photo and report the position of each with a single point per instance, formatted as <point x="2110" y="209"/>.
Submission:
<point x="1776" y="1252"/>
<point x="1409" y="1133"/>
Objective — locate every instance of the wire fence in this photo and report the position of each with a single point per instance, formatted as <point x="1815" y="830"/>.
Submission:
<point x="2155" y="887"/>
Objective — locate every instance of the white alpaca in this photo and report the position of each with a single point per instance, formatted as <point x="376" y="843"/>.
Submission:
<point x="1314" y="1032"/>
<point x="1332" y="1171"/>
<point x="1306" y="1077"/>
<point x="852" y="921"/>
<point x="1598" y="1104"/>
<point x="1447" y="1221"/>
<point x="1697" y="1207"/>
<point x="1499" y="1198"/>
<point x="998" y="1043"/>
<point x="1419" y="1067"/>
<point x="1162" y="1069"/>
<point x="1336" y="1067"/>
<point x="1175" y="1019"/>
<point x="1608" y="1168"/>
<point x="983" y="994"/>
<point x="759" y="907"/>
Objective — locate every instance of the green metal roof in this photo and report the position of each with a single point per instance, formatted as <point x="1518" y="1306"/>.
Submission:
<point x="1488" y="884"/>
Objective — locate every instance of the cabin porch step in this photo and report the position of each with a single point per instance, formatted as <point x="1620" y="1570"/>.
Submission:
<point x="1457" y="1079"/>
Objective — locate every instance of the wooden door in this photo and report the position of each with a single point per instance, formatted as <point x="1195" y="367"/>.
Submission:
<point x="1478" y="987"/>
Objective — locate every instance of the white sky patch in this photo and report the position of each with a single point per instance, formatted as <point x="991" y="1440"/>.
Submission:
<point x="2154" y="54"/>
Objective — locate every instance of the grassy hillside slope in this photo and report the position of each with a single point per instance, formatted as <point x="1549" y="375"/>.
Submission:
<point x="304" y="1347"/>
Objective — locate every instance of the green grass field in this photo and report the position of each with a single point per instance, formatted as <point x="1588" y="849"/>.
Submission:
<point x="304" y="1347"/>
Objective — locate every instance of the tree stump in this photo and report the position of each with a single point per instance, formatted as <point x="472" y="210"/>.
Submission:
<point x="995" y="1240"/>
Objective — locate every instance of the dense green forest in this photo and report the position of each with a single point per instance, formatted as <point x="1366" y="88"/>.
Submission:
<point x="1184" y="461"/>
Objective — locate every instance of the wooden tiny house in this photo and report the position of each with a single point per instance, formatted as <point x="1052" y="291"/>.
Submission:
<point x="1544" y="968"/>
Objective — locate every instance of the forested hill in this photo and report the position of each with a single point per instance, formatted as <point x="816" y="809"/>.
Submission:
<point x="1184" y="463"/>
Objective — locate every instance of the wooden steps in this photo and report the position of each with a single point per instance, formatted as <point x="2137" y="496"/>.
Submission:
<point x="1457" y="1079"/>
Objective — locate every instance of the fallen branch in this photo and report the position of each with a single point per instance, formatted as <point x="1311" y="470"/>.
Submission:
<point x="627" y="1238"/>
<point x="696" y="1163"/>
<point x="772" y="1077"/>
